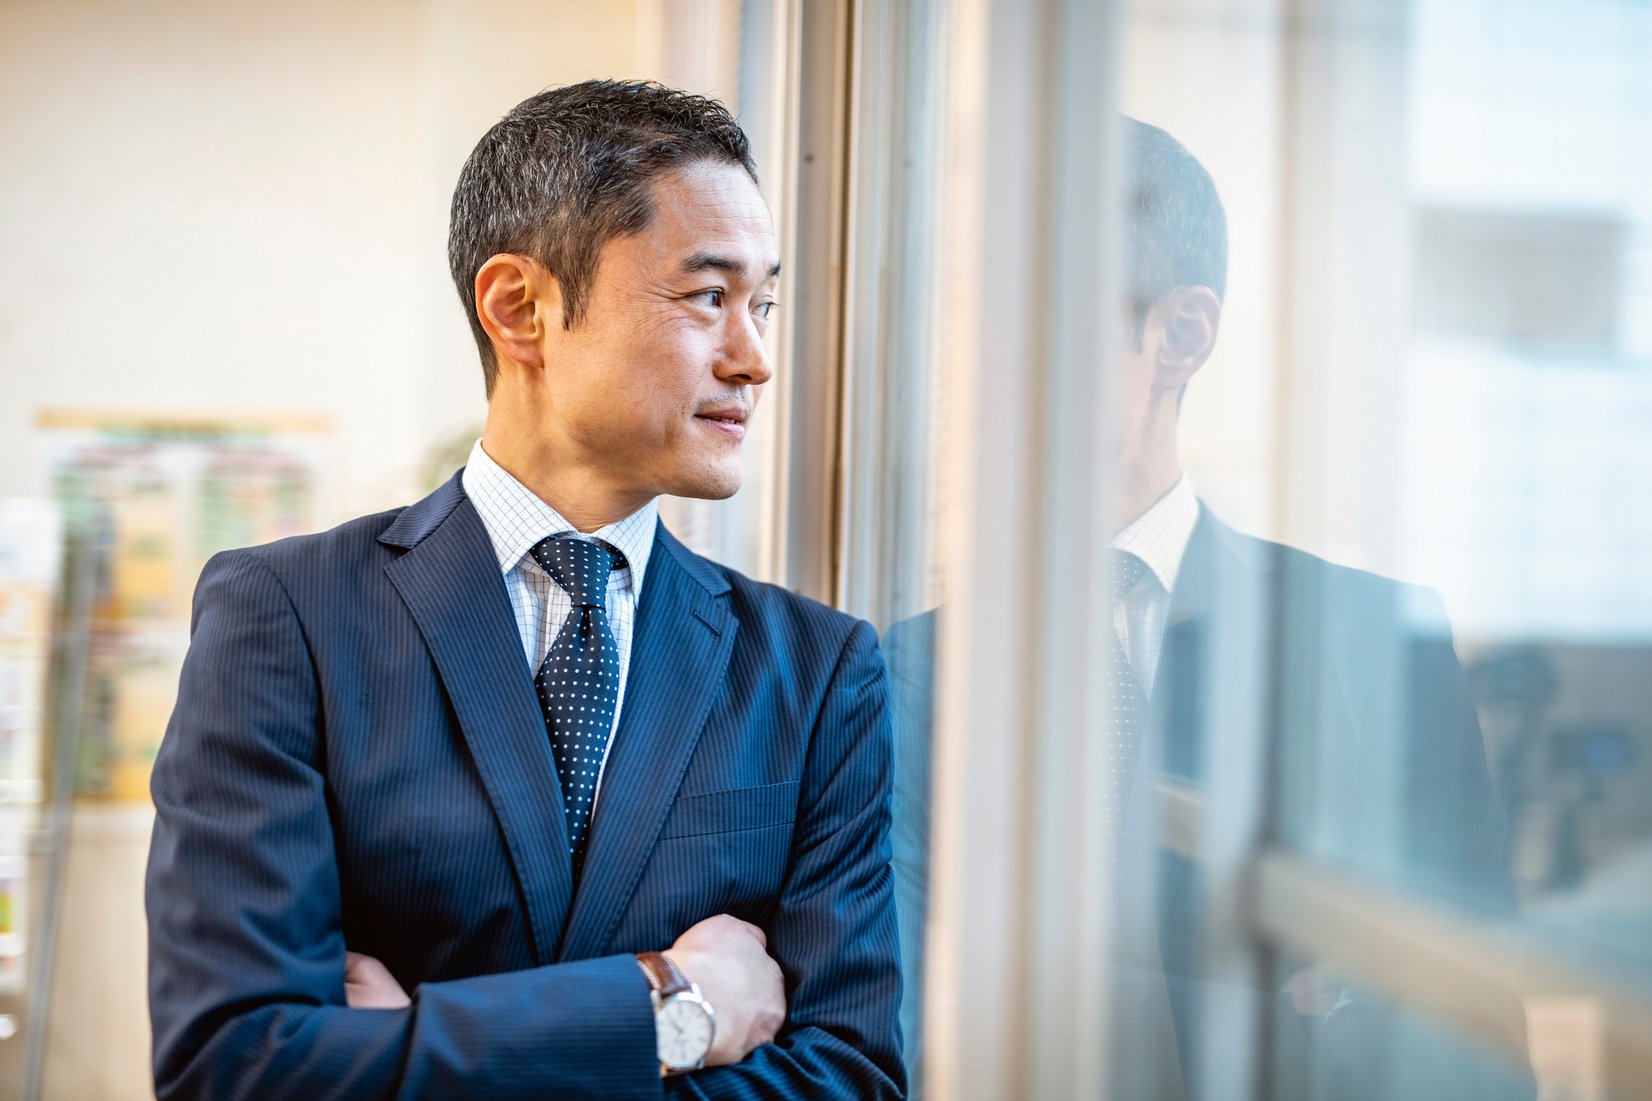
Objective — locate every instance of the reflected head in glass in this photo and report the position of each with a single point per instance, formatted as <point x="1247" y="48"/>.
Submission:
<point x="1175" y="268"/>
<point x="1178" y="231"/>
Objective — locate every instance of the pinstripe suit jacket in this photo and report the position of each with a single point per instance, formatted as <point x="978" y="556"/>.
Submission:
<point x="357" y="758"/>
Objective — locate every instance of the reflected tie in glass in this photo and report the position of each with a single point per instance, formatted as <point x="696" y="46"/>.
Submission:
<point x="1125" y="694"/>
<point x="578" y="682"/>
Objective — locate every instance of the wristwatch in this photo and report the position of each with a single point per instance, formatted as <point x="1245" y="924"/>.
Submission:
<point x="684" y="1023"/>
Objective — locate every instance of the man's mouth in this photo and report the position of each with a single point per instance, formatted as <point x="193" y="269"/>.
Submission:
<point x="729" y="420"/>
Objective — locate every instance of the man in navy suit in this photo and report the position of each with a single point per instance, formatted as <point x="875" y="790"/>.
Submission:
<point x="616" y="816"/>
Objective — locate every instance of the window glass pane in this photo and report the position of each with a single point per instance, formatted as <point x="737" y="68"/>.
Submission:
<point x="1407" y="642"/>
<point x="894" y="404"/>
<point x="1538" y="402"/>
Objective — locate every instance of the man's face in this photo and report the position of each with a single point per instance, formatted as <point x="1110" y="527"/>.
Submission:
<point x="652" y="390"/>
<point x="1178" y="334"/>
<point x="1134" y="392"/>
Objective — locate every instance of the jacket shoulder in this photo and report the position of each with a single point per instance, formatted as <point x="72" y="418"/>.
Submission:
<point x="1344" y="591"/>
<point x="353" y="543"/>
<point x="788" y="621"/>
<point x="772" y="602"/>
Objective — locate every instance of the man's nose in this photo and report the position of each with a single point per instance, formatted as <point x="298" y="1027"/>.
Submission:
<point x="745" y="355"/>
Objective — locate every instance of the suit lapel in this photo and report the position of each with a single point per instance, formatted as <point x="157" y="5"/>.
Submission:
<point x="679" y="657"/>
<point x="1177" y="706"/>
<point x="1218" y="612"/>
<point x="450" y="581"/>
<point x="1207" y="697"/>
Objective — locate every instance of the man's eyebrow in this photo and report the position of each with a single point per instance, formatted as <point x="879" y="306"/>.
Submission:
<point x="711" y="261"/>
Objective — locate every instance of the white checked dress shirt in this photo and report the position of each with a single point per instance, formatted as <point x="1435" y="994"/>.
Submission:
<point x="515" y="520"/>
<point x="1159" y="538"/>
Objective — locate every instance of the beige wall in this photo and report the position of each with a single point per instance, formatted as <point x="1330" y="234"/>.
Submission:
<point x="209" y="206"/>
<point x="244" y="206"/>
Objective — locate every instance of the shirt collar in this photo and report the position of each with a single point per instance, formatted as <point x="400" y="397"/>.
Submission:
<point x="1159" y="536"/>
<point x="516" y="519"/>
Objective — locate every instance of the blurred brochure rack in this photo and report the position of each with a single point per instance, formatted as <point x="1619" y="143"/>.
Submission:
<point x="29" y="549"/>
<point x="161" y="492"/>
<point x="47" y="572"/>
<point x="96" y="579"/>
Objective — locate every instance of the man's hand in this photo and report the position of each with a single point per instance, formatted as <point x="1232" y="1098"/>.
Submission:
<point x="1314" y="993"/>
<point x="368" y="985"/>
<point x="729" y="960"/>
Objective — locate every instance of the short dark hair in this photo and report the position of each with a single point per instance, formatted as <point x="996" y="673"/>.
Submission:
<point x="567" y="171"/>
<point x="1177" y="230"/>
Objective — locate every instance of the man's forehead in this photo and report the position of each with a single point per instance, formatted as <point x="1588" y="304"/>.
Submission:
<point x="710" y="217"/>
<point x="713" y="190"/>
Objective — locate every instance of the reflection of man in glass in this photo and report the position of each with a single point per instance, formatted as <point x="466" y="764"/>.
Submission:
<point x="1377" y="762"/>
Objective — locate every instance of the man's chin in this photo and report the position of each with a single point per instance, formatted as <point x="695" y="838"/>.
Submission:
<point x="707" y="486"/>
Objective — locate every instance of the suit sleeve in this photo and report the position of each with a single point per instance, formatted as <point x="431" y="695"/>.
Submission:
<point x="1458" y="828"/>
<point x="1455" y="852"/>
<point x="246" y="952"/>
<point x="833" y="931"/>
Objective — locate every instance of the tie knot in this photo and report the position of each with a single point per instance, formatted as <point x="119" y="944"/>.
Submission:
<point x="580" y="566"/>
<point x="1125" y="570"/>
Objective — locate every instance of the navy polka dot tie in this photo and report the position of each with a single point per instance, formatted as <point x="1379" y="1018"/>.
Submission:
<point x="578" y="681"/>
<point x="1128" y="703"/>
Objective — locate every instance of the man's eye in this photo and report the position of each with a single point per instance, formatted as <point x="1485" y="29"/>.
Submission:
<point x="713" y="298"/>
<point x="764" y="309"/>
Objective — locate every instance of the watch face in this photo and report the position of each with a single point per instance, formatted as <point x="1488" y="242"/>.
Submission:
<point x="684" y="1033"/>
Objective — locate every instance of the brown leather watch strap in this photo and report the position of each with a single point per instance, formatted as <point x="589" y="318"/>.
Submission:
<point x="663" y="975"/>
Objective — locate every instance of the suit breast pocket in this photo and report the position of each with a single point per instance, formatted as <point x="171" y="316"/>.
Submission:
<point x="726" y="852"/>
<point x="732" y="811"/>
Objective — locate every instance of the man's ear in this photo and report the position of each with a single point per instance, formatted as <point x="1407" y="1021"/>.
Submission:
<point x="1191" y="317"/>
<point x="517" y="302"/>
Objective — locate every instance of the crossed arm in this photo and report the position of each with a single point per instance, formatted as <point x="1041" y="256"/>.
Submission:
<point x="726" y="957"/>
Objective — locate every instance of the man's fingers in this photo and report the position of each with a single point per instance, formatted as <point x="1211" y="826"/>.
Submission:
<point x="746" y="927"/>
<point x="723" y="924"/>
<point x="368" y="984"/>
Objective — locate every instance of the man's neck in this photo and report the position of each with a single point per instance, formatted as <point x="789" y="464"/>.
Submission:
<point x="1142" y="485"/>
<point x="577" y="495"/>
